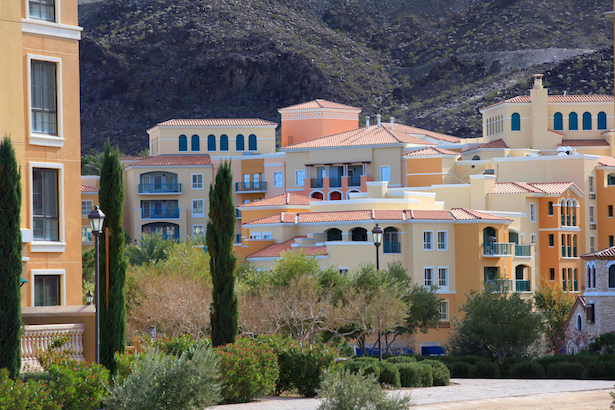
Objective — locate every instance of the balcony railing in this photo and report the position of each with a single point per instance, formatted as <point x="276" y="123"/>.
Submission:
<point x="335" y="182"/>
<point x="250" y="186"/>
<point x="570" y="285"/>
<point x="354" y="181"/>
<point x="391" y="247"/>
<point x="500" y="285"/>
<point x="497" y="249"/>
<point x="523" y="250"/>
<point x="522" y="286"/>
<point x="160" y="188"/>
<point x="316" y="183"/>
<point x="40" y="337"/>
<point x="160" y="213"/>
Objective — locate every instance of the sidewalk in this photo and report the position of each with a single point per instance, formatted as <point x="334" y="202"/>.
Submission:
<point x="460" y="390"/>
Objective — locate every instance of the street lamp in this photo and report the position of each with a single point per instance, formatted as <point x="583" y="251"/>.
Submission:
<point x="97" y="218"/>
<point x="377" y="236"/>
<point x="89" y="297"/>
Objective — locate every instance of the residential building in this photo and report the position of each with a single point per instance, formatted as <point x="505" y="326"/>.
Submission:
<point x="90" y="185"/>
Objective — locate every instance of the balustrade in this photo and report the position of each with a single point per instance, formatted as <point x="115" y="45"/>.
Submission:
<point x="40" y="337"/>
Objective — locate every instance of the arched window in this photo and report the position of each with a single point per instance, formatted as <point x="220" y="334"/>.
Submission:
<point x="579" y="322"/>
<point x="573" y="121"/>
<point x="515" y="122"/>
<point x="587" y="121"/>
<point x="602" y="120"/>
<point x="588" y="272"/>
<point x="562" y="209"/>
<point x="317" y="195"/>
<point x="558" y="121"/>
<point x="211" y="143"/>
<point x="359" y="235"/>
<point x="196" y="145"/>
<point x="513" y="236"/>
<point x="390" y="241"/>
<point x="612" y="276"/>
<point x="475" y="158"/>
<point x="252" y="142"/>
<point x="239" y="143"/>
<point x="594" y="275"/>
<point x="550" y="208"/>
<point x="223" y="142"/>
<point x="335" y="196"/>
<point x="334" y="234"/>
<point x="183" y="143"/>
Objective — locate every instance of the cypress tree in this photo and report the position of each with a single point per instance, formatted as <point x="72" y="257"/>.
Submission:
<point x="220" y="231"/>
<point x="10" y="257"/>
<point x="113" y="316"/>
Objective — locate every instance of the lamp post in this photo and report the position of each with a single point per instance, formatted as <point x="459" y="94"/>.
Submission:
<point x="377" y="236"/>
<point x="97" y="218"/>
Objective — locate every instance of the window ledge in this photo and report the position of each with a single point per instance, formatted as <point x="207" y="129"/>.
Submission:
<point x="46" y="140"/>
<point x="44" y="246"/>
<point x="51" y="29"/>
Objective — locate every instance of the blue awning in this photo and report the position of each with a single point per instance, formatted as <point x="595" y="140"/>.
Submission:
<point x="433" y="351"/>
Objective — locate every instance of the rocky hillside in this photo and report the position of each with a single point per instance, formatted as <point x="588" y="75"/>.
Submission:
<point x="430" y="63"/>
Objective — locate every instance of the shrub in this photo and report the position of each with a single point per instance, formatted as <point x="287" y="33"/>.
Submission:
<point x="78" y="385"/>
<point x="425" y="374"/>
<point x="19" y="395"/>
<point x="546" y="361"/>
<point x="472" y="359"/>
<point x="527" y="370"/>
<point x="566" y="371"/>
<point x="364" y="367"/>
<point x="484" y="369"/>
<point x="605" y="343"/>
<point x="182" y="344"/>
<point x="441" y="374"/>
<point x="248" y="371"/>
<point x="389" y="375"/>
<point x="402" y="359"/>
<point x="409" y="374"/>
<point x="159" y="381"/>
<point x="507" y="363"/>
<point x="349" y="391"/>
<point x="601" y="370"/>
<point x="460" y="369"/>
<point x="57" y="352"/>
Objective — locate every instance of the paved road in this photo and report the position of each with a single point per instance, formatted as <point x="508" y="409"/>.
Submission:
<point x="461" y="390"/>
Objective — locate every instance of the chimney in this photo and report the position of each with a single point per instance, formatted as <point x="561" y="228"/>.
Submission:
<point x="378" y="117"/>
<point x="392" y="122"/>
<point x="367" y="121"/>
<point x="538" y="81"/>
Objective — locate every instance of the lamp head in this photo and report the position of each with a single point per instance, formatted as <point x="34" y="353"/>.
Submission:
<point x="377" y="235"/>
<point x="96" y="217"/>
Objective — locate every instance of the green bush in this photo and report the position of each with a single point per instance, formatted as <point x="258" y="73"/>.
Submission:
<point x="460" y="369"/>
<point x="425" y="374"/>
<point x="389" y="375"/>
<point x="364" y="367"/>
<point x="159" y="381"/>
<point x="566" y="370"/>
<point x="604" y="343"/>
<point x="601" y="370"/>
<point x="186" y="343"/>
<point x="402" y="359"/>
<point x="19" y="395"/>
<point x="78" y="385"/>
<point x="507" y="363"/>
<point x="349" y="391"/>
<point x="441" y="374"/>
<point x="546" y="361"/>
<point x="248" y="371"/>
<point x="527" y="370"/>
<point x="409" y="374"/>
<point x="471" y="359"/>
<point x="484" y="369"/>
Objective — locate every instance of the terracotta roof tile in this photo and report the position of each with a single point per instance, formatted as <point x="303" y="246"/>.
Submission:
<point x="492" y="144"/>
<point x="215" y="122"/>
<point x="275" y="250"/>
<point x="318" y="103"/>
<point x="429" y="151"/>
<point x="532" y="187"/>
<point x="559" y="99"/>
<point x="134" y="158"/>
<point x="585" y="143"/>
<point x="283" y="199"/>
<point x="171" y="160"/>
<point x="607" y="253"/>
<point x="86" y="188"/>
<point x="419" y="132"/>
<point x="468" y="214"/>
<point x="606" y="162"/>
<point x="557" y="132"/>
<point x="554" y="187"/>
<point x="438" y="215"/>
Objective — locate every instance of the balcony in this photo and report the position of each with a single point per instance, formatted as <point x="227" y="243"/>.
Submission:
<point x="160" y="213"/>
<point x="316" y="183"/>
<point x="497" y="249"/>
<point x="391" y="247"/>
<point x="500" y="285"/>
<point x="256" y="186"/>
<point x="570" y="285"/>
<point x="523" y="251"/>
<point x="335" y="182"/>
<point x="522" y="286"/>
<point x="354" y="181"/>
<point x="160" y="188"/>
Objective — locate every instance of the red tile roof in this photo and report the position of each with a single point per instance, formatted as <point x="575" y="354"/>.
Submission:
<point x="421" y="132"/>
<point x="215" y="122"/>
<point x="318" y="103"/>
<point x="275" y="250"/>
<point x="585" y="143"/>
<point x="429" y="151"/>
<point x="86" y="188"/>
<point x="524" y="99"/>
<point x="557" y="132"/>
<point x="283" y="199"/>
<point x="171" y="160"/>
<point x="134" y="158"/>
<point x="532" y="187"/>
<point x="607" y="253"/>
<point x="492" y="144"/>
<point x="606" y="162"/>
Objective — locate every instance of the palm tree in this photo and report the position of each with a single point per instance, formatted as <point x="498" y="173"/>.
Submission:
<point x="151" y="248"/>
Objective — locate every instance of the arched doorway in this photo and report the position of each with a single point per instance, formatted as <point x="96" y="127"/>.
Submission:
<point x="489" y="240"/>
<point x="335" y="196"/>
<point x="359" y="235"/>
<point x="334" y="234"/>
<point x="390" y="241"/>
<point x="317" y="195"/>
<point x="522" y="278"/>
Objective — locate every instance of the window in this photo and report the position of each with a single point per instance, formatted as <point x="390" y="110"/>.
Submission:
<point x="551" y="274"/>
<point x="198" y="230"/>
<point x="256" y="236"/>
<point x="558" y="121"/>
<point x="299" y="178"/>
<point x="197" y="181"/>
<point x="533" y="238"/>
<point x="86" y="208"/>
<point x="238" y="238"/>
<point x="42" y="10"/>
<point x="183" y="143"/>
<point x="532" y="212"/>
<point x="385" y="174"/>
<point x="224" y="142"/>
<point x="611" y="241"/>
<point x="587" y="121"/>
<point x="601" y="120"/>
<point x="591" y="214"/>
<point x="442" y="277"/>
<point x="86" y="234"/>
<point x="515" y="122"/>
<point x="428" y="240"/>
<point x="442" y="240"/>
<point x="610" y="211"/>
<point x="612" y="276"/>
<point x="592" y="243"/>
<point x="359" y="235"/>
<point x="591" y="184"/>
<point x="428" y="276"/>
<point x="278" y="181"/>
<point x="267" y="235"/>
<point x="573" y="121"/>
<point x="256" y="181"/>
<point x="239" y="143"/>
<point x="196" y="143"/>
<point x="211" y="143"/>
<point x="47" y="290"/>
<point x="198" y="208"/>
<point x="551" y="240"/>
<point x="252" y="142"/>
<point x="44" y="97"/>
<point x="443" y="310"/>
<point x="45" y="204"/>
<point x="334" y="234"/>
<point x="550" y="208"/>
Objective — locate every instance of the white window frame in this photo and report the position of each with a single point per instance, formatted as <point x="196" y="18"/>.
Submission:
<point x="267" y="235"/>
<point x="50" y="272"/>
<point x="592" y="244"/>
<point x="432" y="278"/>
<point x="256" y="236"/>
<point x="533" y="212"/>
<point x="198" y="215"/>
<point x="446" y="277"/>
<point x="444" y="244"/>
<point x="88" y="229"/>
<point x="44" y="139"/>
<point x="592" y="214"/>
<point x="385" y="171"/>
<point x="443" y="315"/>
<point x="533" y="238"/>
<point x="278" y="182"/>
<point x="91" y="203"/>
<point x="194" y="227"/>
<point x="49" y="246"/>
<point x="590" y="184"/>
<point x="428" y="246"/>
<point x="299" y="181"/>
<point x="196" y="186"/>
